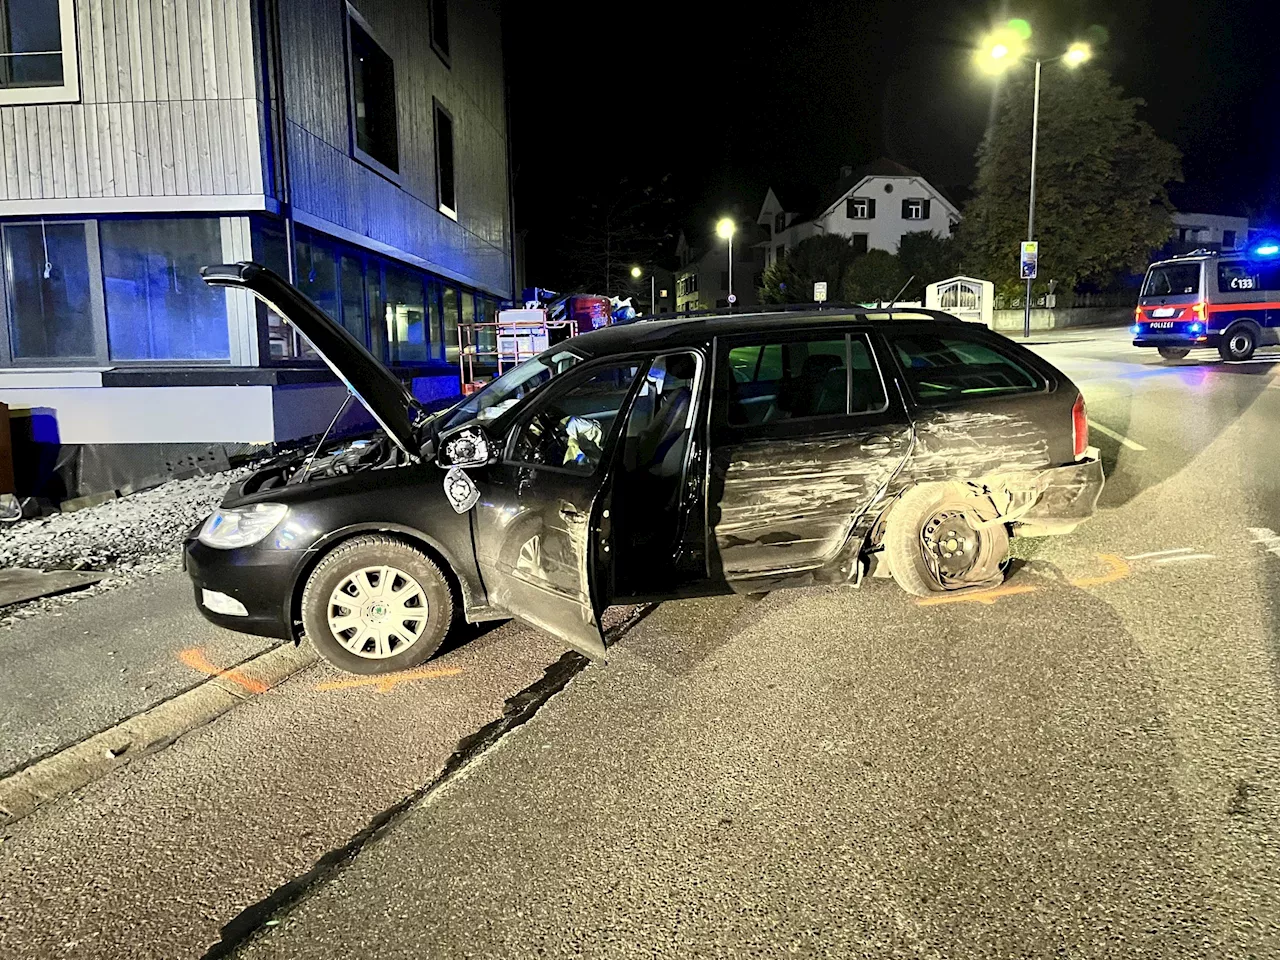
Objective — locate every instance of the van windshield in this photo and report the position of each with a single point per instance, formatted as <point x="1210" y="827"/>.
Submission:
<point x="514" y="385"/>
<point x="1172" y="279"/>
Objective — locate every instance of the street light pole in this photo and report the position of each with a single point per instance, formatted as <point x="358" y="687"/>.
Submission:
<point x="731" y="271"/>
<point x="653" y="294"/>
<point x="1031" y="204"/>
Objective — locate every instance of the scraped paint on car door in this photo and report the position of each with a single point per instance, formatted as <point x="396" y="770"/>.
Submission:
<point x="805" y="438"/>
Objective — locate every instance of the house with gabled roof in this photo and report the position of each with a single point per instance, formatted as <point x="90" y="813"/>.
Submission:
<point x="873" y="206"/>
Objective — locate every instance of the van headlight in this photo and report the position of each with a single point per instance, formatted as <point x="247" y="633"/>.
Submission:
<point x="231" y="527"/>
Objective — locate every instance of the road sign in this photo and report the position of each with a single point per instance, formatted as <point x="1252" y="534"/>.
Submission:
<point x="1029" y="260"/>
<point x="733" y="298"/>
<point x="820" y="291"/>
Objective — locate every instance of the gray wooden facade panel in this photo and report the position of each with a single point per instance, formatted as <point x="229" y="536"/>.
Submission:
<point x="330" y="186"/>
<point x="170" y="107"/>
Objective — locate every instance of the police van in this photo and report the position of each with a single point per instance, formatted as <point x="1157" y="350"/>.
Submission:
<point x="1228" y="300"/>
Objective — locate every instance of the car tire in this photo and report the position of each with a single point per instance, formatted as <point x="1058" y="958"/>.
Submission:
<point x="1174" y="353"/>
<point x="373" y="571"/>
<point x="1238" y="343"/>
<point x="914" y="523"/>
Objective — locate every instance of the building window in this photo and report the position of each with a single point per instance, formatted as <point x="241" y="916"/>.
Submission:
<point x="38" y="52"/>
<point x="915" y="209"/>
<point x="779" y="222"/>
<point x="48" y="281"/>
<point x="405" y="317"/>
<point x="450" y="311"/>
<point x="317" y="272"/>
<point x="1228" y="239"/>
<point x="351" y="273"/>
<point x="373" y="99"/>
<point x="859" y="241"/>
<point x="860" y="208"/>
<point x="446" y="193"/>
<point x="440" y="28"/>
<point x="158" y="308"/>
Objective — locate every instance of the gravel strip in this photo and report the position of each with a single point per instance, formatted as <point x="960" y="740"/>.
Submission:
<point x="128" y="538"/>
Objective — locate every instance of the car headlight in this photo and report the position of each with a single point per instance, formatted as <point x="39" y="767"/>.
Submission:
<point x="231" y="527"/>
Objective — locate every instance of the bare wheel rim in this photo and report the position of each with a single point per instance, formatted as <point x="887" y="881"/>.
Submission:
<point x="1240" y="343"/>
<point x="952" y="545"/>
<point x="378" y="612"/>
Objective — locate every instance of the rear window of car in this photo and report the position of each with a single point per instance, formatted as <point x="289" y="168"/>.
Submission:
<point x="799" y="379"/>
<point x="945" y="367"/>
<point x="1172" y="279"/>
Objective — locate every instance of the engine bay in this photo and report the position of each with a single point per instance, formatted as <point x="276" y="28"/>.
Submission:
<point x="337" y="459"/>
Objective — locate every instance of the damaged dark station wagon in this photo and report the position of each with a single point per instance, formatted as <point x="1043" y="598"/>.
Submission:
<point x="656" y="460"/>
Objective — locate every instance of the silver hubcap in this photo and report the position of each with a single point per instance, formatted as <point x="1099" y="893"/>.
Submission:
<point x="1239" y="344"/>
<point x="378" y="612"/>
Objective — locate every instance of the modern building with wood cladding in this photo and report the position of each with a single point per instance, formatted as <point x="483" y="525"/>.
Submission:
<point x="358" y="148"/>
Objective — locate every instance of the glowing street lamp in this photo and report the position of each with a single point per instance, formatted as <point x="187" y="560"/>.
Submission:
<point x="998" y="52"/>
<point x="636" y="273"/>
<point x="724" y="230"/>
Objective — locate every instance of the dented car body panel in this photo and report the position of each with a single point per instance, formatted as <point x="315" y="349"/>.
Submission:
<point x="672" y="458"/>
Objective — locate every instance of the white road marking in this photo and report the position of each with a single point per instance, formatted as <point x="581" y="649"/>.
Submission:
<point x="1186" y="556"/>
<point x="1158" y="553"/>
<point x="1269" y="539"/>
<point x="1107" y="431"/>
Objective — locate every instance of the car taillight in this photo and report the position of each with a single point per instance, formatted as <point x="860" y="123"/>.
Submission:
<point x="1079" y="427"/>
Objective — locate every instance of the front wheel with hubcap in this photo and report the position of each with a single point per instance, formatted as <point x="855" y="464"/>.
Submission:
<point x="376" y="605"/>
<point x="1238" y="343"/>
<point x="935" y="541"/>
<point x="1174" y="353"/>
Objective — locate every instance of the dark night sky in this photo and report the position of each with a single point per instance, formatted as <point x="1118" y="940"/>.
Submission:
<point x="728" y="103"/>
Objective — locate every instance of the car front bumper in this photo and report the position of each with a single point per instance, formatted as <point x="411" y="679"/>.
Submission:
<point x="1176" y="339"/>
<point x="258" y="580"/>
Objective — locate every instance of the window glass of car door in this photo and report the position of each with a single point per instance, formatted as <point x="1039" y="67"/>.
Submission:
<point x="953" y="366"/>
<point x="776" y="379"/>
<point x="570" y="429"/>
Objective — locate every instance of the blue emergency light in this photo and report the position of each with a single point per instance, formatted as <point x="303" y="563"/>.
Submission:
<point x="1196" y="328"/>
<point x="1268" y="248"/>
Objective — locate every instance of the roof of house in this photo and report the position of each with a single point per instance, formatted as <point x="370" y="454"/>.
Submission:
<point x="884" y="167"/>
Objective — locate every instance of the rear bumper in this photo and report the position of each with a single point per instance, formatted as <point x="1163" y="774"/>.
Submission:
<point x="1050" y="502"/>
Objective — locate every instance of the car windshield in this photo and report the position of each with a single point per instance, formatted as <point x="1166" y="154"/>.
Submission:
<point x="510" y="388"/>
<point x="1172" y="279"/>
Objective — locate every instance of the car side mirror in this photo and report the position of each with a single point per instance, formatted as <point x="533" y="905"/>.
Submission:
<point x="467" y="446"/>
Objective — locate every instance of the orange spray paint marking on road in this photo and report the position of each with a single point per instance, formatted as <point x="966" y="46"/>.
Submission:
<point x="1117" y="569"/>
<point x="985" y="596"/>
<point x="385" y="684"/>
<point x="194" y="658"/>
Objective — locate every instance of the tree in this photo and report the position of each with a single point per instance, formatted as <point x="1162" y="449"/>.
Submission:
<point x="1102" y="205"/>
<point x="790" y="279"/>
<point x="876" y="275"/>
<point x="928" y="257"/>
<point x="612" y="228"/>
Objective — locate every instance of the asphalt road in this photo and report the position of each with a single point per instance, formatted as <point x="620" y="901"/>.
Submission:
<point x="1084" y="763"/>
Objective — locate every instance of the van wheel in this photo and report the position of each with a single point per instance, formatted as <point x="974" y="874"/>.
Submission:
<point x="1174" y="353"/>
<point x="934" y="542"/>
<point x="376" y="605"/>
<point x="1238" y="343"/>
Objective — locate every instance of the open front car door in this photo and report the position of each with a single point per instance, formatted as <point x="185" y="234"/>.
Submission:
<point x="542" y="521"/>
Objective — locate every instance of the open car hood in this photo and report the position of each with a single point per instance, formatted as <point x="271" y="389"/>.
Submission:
<point x="385" y="397"/>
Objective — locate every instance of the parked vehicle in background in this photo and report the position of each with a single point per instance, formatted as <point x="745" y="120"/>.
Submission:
<point x="648" y="461"/>
<point x="1230" y="301"/>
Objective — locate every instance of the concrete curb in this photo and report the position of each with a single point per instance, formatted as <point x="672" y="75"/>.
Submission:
<point x="82" y="763"/>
